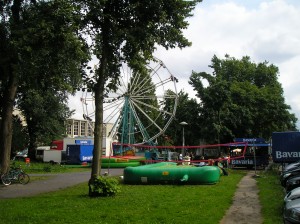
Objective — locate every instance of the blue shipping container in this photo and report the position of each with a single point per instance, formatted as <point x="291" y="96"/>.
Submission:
<point x="78" y="154"/>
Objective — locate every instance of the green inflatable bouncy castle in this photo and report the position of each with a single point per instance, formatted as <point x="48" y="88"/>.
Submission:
<point x="171" y="173"/>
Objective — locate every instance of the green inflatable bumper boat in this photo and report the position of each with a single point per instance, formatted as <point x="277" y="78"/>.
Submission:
<point x="171" y="173"/>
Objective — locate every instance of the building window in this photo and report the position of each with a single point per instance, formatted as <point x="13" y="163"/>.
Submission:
<point x="83" y="128"/>
<point x="90" y="129"/>
<point x="69" y="128"/>
<point x="76" y="127"/>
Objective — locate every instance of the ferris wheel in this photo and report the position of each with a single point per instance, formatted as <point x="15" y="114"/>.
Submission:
<point x="141" y="108"/>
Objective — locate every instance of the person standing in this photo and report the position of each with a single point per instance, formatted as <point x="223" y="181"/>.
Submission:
<point x="180" y="157"/>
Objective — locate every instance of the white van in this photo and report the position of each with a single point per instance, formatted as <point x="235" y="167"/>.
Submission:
<point x="39" y="153"/>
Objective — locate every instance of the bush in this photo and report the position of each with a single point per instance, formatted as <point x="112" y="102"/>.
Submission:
<point x="103" y="186"/>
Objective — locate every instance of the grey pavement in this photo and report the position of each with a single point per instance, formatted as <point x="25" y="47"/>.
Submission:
<point x="54" y="183"/>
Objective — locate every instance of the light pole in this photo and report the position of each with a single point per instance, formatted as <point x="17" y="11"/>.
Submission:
<point x="183" y="123"/>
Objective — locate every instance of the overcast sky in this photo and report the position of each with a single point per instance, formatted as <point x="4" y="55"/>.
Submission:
<point x="265" y="30"/>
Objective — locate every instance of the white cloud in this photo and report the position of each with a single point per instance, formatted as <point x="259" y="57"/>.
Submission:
<point x="265" y="30"/>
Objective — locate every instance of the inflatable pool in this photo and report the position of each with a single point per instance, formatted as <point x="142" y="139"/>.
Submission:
<point x="171" y="173"/>
<point x="120" y="165"/>
<point x="121" y="161"/>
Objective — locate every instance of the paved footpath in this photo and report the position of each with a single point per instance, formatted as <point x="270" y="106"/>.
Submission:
<point x="54" y="183"/>
<point x="246" y="208"/>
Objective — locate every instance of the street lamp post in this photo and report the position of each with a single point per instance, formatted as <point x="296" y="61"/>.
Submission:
<point x="183" y="123"/>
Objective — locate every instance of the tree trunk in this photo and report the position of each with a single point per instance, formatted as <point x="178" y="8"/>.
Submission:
<point x="98" y="130"/>
<point x="32" y="140"/>
<point x="6" y="124"/>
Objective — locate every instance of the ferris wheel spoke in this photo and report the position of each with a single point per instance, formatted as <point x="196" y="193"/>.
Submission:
<point x="141" y="83"/>
<point x="145" y="82"/>
<point x="112" y="114"/>
<point x="135" y="83"/>
<point x="125" y="75"/>
<point x="114" y="96"/>
<point x="150" y="88"/>
<point x="151" y="107"/>
<point x="113" y="104"/>
<point x="146" y="91"/>
<point x="140" y="88"/>
<point x="163" y="82"/>
<point x="149" y="97"/>
<point x="113" y="132"/>
<point x="157" y="67"/>
<point x="112" y="109"/>
<point x="140" y="125"/>
<point x="146" y="115"/>
<point x="123" y="86"/>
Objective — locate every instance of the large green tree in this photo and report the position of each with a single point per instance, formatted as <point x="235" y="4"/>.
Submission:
<point x="39" y="47"/>
<point x="188" y="110"/>
<point x="241" y="99"/>
<point x="20" y="135"/>
<point x="46" y="112"/>
<point x="129" y="31"/>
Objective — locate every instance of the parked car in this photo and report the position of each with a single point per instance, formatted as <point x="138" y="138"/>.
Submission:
<point x="288" y="174"/>
<point x="292" y="183"/>
<point x="291" y="211"/>
<point x="21" y="155"/>
<point x="292" y="195"/>
<point x="292" y="166"/>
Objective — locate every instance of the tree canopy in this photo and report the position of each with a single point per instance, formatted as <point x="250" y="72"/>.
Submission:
<point x="46" y="112"/>
<point x="188" y="110"/>
<point x="40" y="48"/>
<point x="241" y="99"/>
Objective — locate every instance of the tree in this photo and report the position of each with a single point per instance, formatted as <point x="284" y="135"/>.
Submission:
<point x="20" y="135"/>
<point x="128" y="31"/>
<point x="242" y="99"/>
<point x="188" y="110"/>
<point x="38" y="42"/>
<point x="46" y="112"/>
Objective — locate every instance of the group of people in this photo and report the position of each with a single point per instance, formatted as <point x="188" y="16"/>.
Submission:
<point x="221" y="161"/>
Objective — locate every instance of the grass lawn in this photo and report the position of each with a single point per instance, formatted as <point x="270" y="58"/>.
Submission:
<point x="135" y="204"/>
<point x="271" y="196"/>
<point x="40" y="167"/>
<point x="143" y="204"/>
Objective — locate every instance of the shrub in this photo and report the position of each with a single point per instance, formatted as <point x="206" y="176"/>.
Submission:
<point x="103" y="186"/>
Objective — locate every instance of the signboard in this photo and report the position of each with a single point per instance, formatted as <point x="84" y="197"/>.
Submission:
<point x="83" y="142"/>
<point x="242" y="162"/>
<point x="248" y="161"/>
<point x="285" y="147"/>
<point x="250" y="140"/>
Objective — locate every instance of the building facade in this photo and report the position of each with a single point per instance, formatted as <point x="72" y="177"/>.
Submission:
<point x="84" y="128"/>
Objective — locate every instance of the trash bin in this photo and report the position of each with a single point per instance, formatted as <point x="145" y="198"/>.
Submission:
<point x="27" y="161"/>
